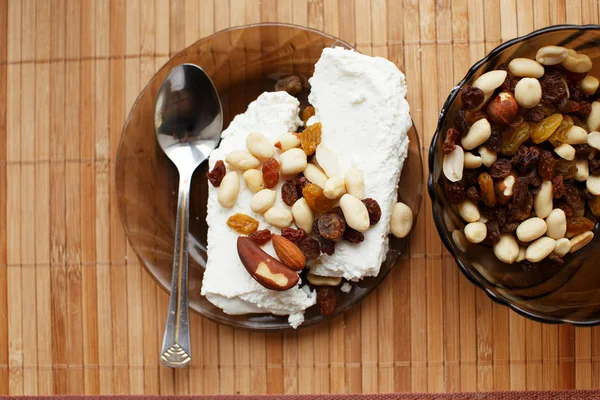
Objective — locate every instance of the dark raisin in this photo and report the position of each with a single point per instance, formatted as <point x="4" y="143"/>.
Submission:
<point x="519" y="156"/>
<point x="594" y="166"/>
<point x="533" y="177"/>
<point x="460" y="121"/>
<point x="567" y="106"/>
<point x="493" y="231"/>
<point x="562" y="204"/>
<point x="555" y="260"/>
<point x="553" y="88"/>
<point x="471" y="97"/>
<point x="300" y="181"/>
<point x="331" y="226"/>
<point x="521" y="213"/>
<point x="327" y="300"/>
<point x="470" y="176"/>
<point x="216" y="175"/>
<point x="310" y="248"/>
<point x="291" y="84"/>
<point x="527" y="266"/>
<point x="473" y="194"/>
<point x="558" y="187"/>
<point x="260" y="237"/>
<point x="509" y="227"/>
<point x="500" y="169"/>
<point x="535" y="115"/>
<point x="452" y="140"/>
<point x="509" y="83"/>
<point x="501" y="215"/>
<point x="373" y="209"/>
<point x="327" y="246"/>
<point x="338" y="210"/>
<point x="494" y="143"/>
<point x="587" y="195"/>
<point x="520" y="191"/>
<point x="293" y="235"/>
<point x="573" y="78"/>
<point x="531" y="159"/>
<point x="574" y="197"/>
<point x="289" y="193"/>
<point x="585" y="108"/>
<point x="353" y="236"/>
<point x="545" y="165"/>
<point x="455" y="192"/>
<point x="582" y="151"/>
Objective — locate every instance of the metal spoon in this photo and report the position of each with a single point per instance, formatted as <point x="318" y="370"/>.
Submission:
<point x="188" y="121"/>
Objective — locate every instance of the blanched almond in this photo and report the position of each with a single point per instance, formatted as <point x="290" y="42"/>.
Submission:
<point x="593" y="120"/>
<point x="453" y="164"/>
<point x="551" y="55"/>
<point x="563" y="245"/>
<point x="334" y="188"/>
<point x="542" y="201"/>
<point x="328" y="160"/>
<point x="565" y="151"/>
<point x="293" y="161"/>
<point x="303" y="215"/>
<point x="278" y="217"/>
<point x="469" y="211"/>
<point x="288" y="140"/>
<point x="581" y="240"/>
<point x="589" y="85"/>
<point x="507" y="248"/>
<point x="262" y="201"/>
<point x="315" y="175"/>
<point x="254" y="180"/>
<point x="229" y="190"/>
<point x="478" y="134"/>
<point x="242" y="160"/>
<point x="259" y="146"/>
<point x="401" y="221"/>
<point x="472" y="161"/>
<point x="475" y="232"/>
<point x="592" y="184"/>
<point x="318" y="280"/>
<point x="355" y="183"/>
<point x="531" y="229"/>
<point x="488" y="157"/>
<point x="556" y="223"/>
<point x="540" y="249"/>
<point x="583" y="171"/>
<point x="355" y="212"/>
<point x="576" y="135"/>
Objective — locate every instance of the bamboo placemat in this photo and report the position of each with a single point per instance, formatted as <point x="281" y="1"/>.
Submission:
<point x="78" y="314"/>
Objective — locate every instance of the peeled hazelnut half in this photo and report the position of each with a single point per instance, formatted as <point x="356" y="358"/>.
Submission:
<point x="265" y="269"/>
<point x="503" y="108"/>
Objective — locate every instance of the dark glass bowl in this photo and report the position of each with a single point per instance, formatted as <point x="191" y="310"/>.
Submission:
<point x="242" y="62"/>
<point x="546" y="293"/>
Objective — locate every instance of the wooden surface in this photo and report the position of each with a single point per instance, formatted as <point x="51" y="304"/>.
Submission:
<point x="78" y="314"/>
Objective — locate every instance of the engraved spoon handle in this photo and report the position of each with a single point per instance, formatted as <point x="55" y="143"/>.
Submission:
<point x="176" y="350"/>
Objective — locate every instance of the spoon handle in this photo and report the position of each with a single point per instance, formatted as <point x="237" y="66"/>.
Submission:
<point x="176" y="351"/>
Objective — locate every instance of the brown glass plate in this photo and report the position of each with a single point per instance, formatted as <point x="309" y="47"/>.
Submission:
<point x="242" y="62"/>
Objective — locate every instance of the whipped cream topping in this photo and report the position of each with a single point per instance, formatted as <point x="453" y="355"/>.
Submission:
<point x="360" y="101"/>
<point x="226" y="282"/>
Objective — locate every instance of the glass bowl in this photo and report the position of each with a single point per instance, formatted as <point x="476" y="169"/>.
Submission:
<point x="242" y="62"/>
<point x="547" y="293"/>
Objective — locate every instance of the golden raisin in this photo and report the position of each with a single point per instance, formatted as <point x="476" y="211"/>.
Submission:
<point x="546" y="128"/>
<point x="270" y="171"/>
<point x="310" y="138"/>
<point x="313" y="194"/>
<point x="486" y="189"/>
<point x="577" y="225"/>
<point x="560" y="135"/>
<point x="308" y="112"/>
<point x="242" y="223"/>
<point x="594" y="205"/>
<point x="512" y="141"/>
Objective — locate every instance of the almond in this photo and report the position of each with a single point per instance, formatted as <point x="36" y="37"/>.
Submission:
<point x="289" y="254"/>
<point x="265" y="269"/>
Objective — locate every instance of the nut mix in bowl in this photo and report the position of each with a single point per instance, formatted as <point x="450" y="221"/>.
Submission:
<point x="244" y="63"/>
<point x="515" y="172"/>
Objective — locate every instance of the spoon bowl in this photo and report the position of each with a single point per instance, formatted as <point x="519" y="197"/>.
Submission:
<point x="188" y="121"/>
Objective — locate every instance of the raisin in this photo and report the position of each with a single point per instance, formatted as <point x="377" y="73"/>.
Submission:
<point x="545" y="165"/>
<point x="486" y="188"/>
<point x="338" y="210"/>
<point x="289" y="193"/>
<point x="455" y="192"/>
<point x="300" y="181"/>
<point x="587" y="196"/>
<point x="555" y="260"/>
<point x="534" y="179"/>
<point x="353" y="236"/>
<point x="331" y="226"/>
<point x="567" y="106"/>
<point x="471" y="97"/>
<point x="553" y="88"/>
<point x="594" y="166"/>
<point x="577" y="225"/>
<point x="310" y="247"/>
<point x="568" y="169"/>
<point x="558" y="188"/>
<point x="260" y="237"/>
<point x="527" y="266"/>
<point x="519" y="156"/>
<point x="521" y="213"/>
<point x="470" y="176"/>
<point x="534" y="115"/>
<point x="291" y="84"/>
<point x="501" y="215"/>
<point x="594" y="205"/>
<point x="546" y="128"/>
<point x="293" y="235"/>
<point x="473" y="194"/>
<point x="509" y="227"/>
<point x="310" y="138"/>
<point x="511" y="141"/>
<point x="573" y="77"/>
<point x="585" y="108"/>
<point x="530" y="160"/>
<point x="494" y="143"/>
<point x="520" y="190"/>
<point x="313" y="194"/>
<point x="327" y="246"/>
<point x="373" y="209"/>
<point x="242" y="223"/>
<point x="460" y="121"/>
<point x="327" y="300"/>
<point x="509" y="83"/>
<point x="452" y="139"/>
<point x="500" y="169"/>
<point x="270" y="171"/>
<point x="582" y="151"/>
<point x="474" y="116"/>
<point x="216" y="175"/>
<point x="574" y="197"/>
<point x="567" y="209"/>
<point x="308" y="112"/>
<point x="493" y="231"/>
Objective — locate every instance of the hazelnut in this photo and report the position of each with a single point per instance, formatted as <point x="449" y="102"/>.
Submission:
<point x="503" y="108"/>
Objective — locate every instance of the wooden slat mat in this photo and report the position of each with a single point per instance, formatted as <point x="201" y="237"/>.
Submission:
<point x="78" y="314"/>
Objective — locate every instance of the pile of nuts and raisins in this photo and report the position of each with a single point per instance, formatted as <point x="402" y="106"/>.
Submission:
<point x="522" y="162"/>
